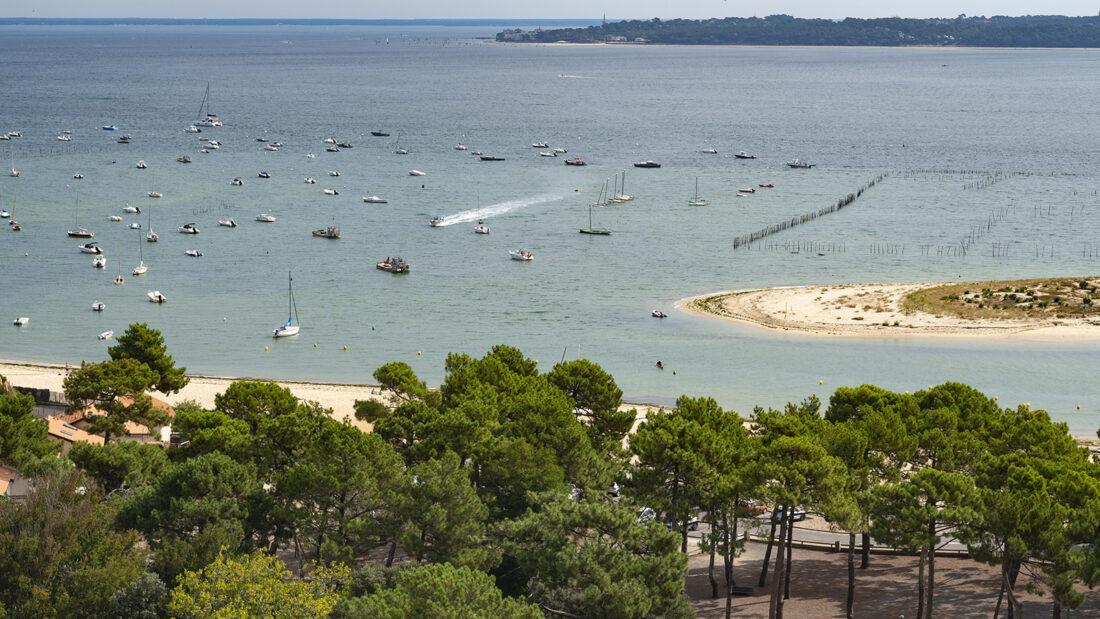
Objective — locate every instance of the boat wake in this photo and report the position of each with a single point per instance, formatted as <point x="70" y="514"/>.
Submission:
<point x="501" y="208"/>
<point x="565" y="76"/>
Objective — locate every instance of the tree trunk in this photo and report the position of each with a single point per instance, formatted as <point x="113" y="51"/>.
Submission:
<point x="710" y="565"/>
<point x="767" y="555"/>
<point x="1000" y="596"/>
<point x="865" y="553"/>
<point x="851" y="602"/>
<point x="1057" y="609"/>
<point x="920" y="585"/>
<point x="790" y="552"/>
<point x="391" y="553"/>
<point x="775" y="608"/>
<point x="931" y="590"/>
<point x="684" y="537"/>
<point x="727" y="556"/>
<point x="1011" y="572"/>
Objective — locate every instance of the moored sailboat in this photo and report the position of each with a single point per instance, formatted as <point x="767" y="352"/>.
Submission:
<point x="291" y="326"/>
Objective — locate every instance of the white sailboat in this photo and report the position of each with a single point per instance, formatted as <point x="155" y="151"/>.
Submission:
<point x="592" y="229"/>
<point x="152" y="236"/>
<point x="206" y="117"/>
<point x="140" y="269"/>
<point x="696" y="200"/>
<point x="292" y="325"/>
<point x="620" y="194"/>
<point x="13" y="172"/>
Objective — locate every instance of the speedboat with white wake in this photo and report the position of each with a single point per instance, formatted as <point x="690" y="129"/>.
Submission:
<point x="291" y="326"/>
<point x="436" y="221"/>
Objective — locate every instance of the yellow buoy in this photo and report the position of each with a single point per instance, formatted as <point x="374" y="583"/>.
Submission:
<point x="1078" y="407"/>
<point x="265" y="348"/>
<point x="345" y="347"/>
<point x="419" y="353"/>
<point x="820" y="382"/>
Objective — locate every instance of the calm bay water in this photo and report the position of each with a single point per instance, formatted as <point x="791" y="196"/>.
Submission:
<point x="937" y="120"/>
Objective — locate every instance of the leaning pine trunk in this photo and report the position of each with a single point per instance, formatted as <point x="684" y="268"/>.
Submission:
<point x="775" y="609"/>
<point x="790" y="552"/>
<point x="767" y="555"/>
<point x="851" y="602"/>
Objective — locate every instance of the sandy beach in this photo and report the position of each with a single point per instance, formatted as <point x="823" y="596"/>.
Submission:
<point x="871" y="311"/>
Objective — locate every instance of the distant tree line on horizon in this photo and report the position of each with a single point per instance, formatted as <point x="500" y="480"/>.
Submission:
<point x="961" y="31"/>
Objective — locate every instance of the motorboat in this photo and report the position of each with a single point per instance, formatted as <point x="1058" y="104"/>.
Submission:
<point x="436" y="221"/>
<point x="135" y="226"/>
<point x="461" y="147"/>
<point x="91" y="248"/>
<point x="393" y="264"/>
<point x="766" y="186"/>
<point x="481" y="228"/>
<point x="100" y="262"/>
<point x="15" y="227"/>
<point x="477" y="153"/>
<point x="746" y="190"/>
<point x="14" y="134"/>
<point x="155" y="296"/>
<point x="710" y="151"/>
<point x="522" y="255"/>
<point x="799" y="164"/>
<point x="374" y="200"/>
<point x="99" y="306"/>
<point x="331" y="232"/>
<point x="188" y="229"/>
<point x="343" y="144"/>
<point x="329" y="140"/>
<point x="647" y="164"/>
<point x="64" y="137"/>
<point x="81" y="233"/>
<point x="236" y="182"/>
<point x="194" y="253"/>
<point x="539" y="145"/>
<point x="110" y="128"/>
<point x="124" y="139"/>
<point x="263" y="174"/>
<point x="658" y="314"/>
<point x="184" y="159"/>
<point x="417" y="173"/>
<point x="311" y="156"/>
<point x="154" y="194"/>
<point x="577" y="161"/>
<point x="13" y="172"/>
<point x="204" y="151"/>
<point x="213" y="146"/>
<point x="21" y="321"/>
<point x="330" y="192"/>
<point x="491" y="158"/>
<point x="547" y="153"/>
<point x="334" y="172"/>
<point x="744" y="155"/>
<point x="277" y="144"/>
<point x="193" y="129"/>
<point x="261" y="140"/>
<point x="106" y="335"/>
<point x="560" y="151"/>
<point x="78" y="176"/>
<point x="401" y="151"/>
<point x="270" y="147"/>
<point x="265" y="218"/>
<point x="310" y="180"/>
<point x="119" y="280"/>
<point x="114" y="218"/>
<point x="4" y="214"/>
<point x="141" y="165"/>
<point x="227" y="223"/>
<point x="380" y="134"/>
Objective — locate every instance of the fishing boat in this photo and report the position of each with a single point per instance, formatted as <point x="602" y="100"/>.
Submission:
<point x="155" y="296"/>
<point x="522" y="255"/>
<point x="380" y="134"/>
<point x="106" y="335"/>
<point x="265" y="218"/>
<point x="99" y="262"/>
<point x="744" y="155"/>
<point x="188" y="229"/>
<point x="436" y="221"/>
<point x="91" y="248"/>
<point x="647" y="164"/>
<point x="491" y="158"/>
<point x="331" y="232"/>
<point x="330" y="192"/>
<point x="141" y="165"/>
<point x="592" y="229"/>
<point x="696" y="200"/>
<point x="194" y="253"/>
<point x="417" y="173"/>
<point x="99" y="306"/>
<point x="575" y="161"/>
<point x="799" y="164"/>
<point x="263" y="174"/>
<point x="236" y="182"/>
<point x="21" y="321"/>
<point x="227" y="223"/>
<point x="374" y="200"/>
<point x="292" y="325"/>
<point x="393" y="264"/>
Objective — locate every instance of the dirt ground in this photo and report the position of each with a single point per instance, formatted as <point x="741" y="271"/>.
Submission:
<point x="886" y="590"/>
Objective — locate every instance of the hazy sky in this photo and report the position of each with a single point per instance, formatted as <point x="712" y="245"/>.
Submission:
<point x="405" y="9"/>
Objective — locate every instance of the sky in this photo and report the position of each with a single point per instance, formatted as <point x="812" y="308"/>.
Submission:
<point x="536" y="9"/>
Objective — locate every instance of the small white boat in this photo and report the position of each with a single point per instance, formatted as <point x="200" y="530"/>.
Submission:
<point x="193" y="129"/>
<point x="106" y="335"/>
<point x="744" y="155"/>
<point x="110" y="128"/>
<point x="64" y="137"/>
<point x="155" y="296"/>
<point x="539" y="145"/>
<point x="401" y="151"/>
<point x="658" y="314"/>
<point x="277" y="144"/>
<point x="78" y="176"/>
<point x="213" y="146"/>
<point x="194" y="253"/>
<point x="99" y="306"/>
<point x="236" y="182"/>
<point x="141" y="165"/>
<point x="417" y="173"/>
<point x="374" y="200"/>
<point x="188" y="229"/>
<point x="131" y="209"/>
<point x="334" y="172"/>
<point x="227" y="223"/>
<point x="559" y="151"/>
<point x="265" y="218"/>
<point x="746" y="190"/>
<point x="19" y="322"/>
<point x="114" y="218"/>
<point x="154" y="194"/>
<point x="204" y="151"/>
<point x="330" y="192"/>
<point x="481" y="228"/>
<point x="263" y="174"/>
<point x="135" y="226"/>
<point x="270" y="147"/>
<point x="436" y="221"/>
<point x="140" y="269"/>
<point x="100" y="262"/>
<point x="710" y="151"/>
<point x="329" y="140"/>
<point x="291" y="326"/>
<point x="461" y="147"/>
<point x="522" y="255"/>
<point x="799" y="164"/>
<point x="13" y="172"/>
<point x="4" y="214"/>
<point x="14" y="134"/>
<point x="91" y="248"/>
<point x="548" y="153"/>
<point x="310" y="156"/>
<point x="310" y="180"/>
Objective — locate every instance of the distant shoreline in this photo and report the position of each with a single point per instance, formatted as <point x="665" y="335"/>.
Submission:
<point x="790" y="46"/>
<point x="156" y="21"/>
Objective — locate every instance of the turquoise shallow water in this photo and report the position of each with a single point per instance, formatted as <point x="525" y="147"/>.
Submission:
<point x="938" y="120"/>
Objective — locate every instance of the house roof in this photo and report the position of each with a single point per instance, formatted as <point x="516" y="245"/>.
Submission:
<point x="81" y="415"/>
<point x="59" y="428"/>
